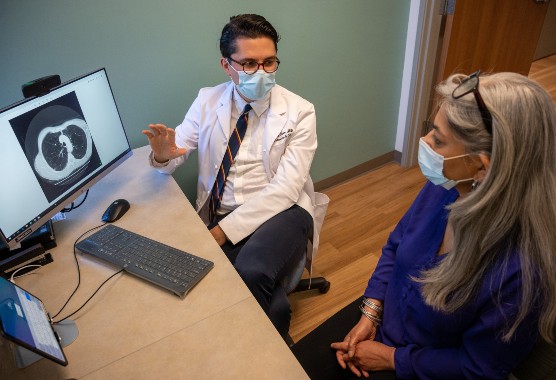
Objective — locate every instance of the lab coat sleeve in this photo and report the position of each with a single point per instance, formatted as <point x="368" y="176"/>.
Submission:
<point x="286" y="185"/>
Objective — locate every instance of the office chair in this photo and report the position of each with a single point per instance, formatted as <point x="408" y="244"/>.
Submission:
<point x="540" y="364"/>
<point x="293" y="282"/>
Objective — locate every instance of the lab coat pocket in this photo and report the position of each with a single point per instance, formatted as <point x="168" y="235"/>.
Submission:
<point x="276" y="152"/>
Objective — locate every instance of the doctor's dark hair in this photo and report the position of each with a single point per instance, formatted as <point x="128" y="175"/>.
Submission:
<point x="245" y="26"/>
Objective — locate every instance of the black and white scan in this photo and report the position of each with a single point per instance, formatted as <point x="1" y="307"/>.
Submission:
<point x="63" y="150"/>
<point x="57" y="143"/>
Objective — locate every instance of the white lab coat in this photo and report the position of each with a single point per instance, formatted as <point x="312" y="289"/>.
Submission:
<point x="289" y="144"/>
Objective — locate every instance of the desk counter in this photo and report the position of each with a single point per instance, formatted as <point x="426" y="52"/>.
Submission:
<point x="133" y="329"/>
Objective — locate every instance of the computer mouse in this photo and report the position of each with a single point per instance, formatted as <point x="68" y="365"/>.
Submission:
<point x="115" y="211"/>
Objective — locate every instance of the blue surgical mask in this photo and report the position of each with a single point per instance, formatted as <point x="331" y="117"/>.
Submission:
<point x="255" y="86"/>
<point x="432" y="166"/>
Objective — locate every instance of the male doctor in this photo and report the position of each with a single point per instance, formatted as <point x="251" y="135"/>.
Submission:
<point x="262" y="214"/>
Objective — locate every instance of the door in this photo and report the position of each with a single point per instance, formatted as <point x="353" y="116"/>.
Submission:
<point x="492" y="36"/>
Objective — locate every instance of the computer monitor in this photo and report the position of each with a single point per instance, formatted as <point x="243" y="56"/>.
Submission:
<point x="53" y="148"/>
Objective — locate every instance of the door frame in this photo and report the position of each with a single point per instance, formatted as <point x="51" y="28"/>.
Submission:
<point x="424" y="34"/>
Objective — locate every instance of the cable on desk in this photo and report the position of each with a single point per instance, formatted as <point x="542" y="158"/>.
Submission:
<point x="36" y="266"/>
<point x="91" y="297"/>
<point x="72" y="207"/>
<point x="78" y="269"/>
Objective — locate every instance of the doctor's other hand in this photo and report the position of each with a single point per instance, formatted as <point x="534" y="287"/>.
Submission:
<point x="219" y="235"/>
<point x="163" y="143"/>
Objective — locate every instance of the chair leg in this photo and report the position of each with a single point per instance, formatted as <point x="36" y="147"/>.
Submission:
<point x="319" y="283"/>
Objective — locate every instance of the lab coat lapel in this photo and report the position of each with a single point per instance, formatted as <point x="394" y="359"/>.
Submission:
<point x="277" y="118"/>
<point x="224" y="112"/>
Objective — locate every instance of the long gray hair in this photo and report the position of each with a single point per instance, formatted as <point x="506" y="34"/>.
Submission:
<point x="513" y="209"/>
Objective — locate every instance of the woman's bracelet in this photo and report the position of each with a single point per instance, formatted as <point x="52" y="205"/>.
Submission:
<point x="373" y="306"/>
<point x="373" y="318"/>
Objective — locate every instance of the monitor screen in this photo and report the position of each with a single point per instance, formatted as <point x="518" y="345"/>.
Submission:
<point x="53" y="148"/>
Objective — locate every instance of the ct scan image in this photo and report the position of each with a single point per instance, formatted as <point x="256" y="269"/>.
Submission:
<point x="57" y="143"/>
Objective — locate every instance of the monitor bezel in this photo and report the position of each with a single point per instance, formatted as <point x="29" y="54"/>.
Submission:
<point x="15" y="242"/>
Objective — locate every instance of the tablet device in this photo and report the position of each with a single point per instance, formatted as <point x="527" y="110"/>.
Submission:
<point x="24" y="321"/>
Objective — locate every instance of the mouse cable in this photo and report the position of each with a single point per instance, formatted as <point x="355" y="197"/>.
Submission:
<point x="77" y="264"/>
<point x="91" y="297"/>
<point x="73" y="207"/>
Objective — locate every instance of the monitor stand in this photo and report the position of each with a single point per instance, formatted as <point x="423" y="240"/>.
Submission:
<point x="33" y="251"/>
<point x="66" y="330"/>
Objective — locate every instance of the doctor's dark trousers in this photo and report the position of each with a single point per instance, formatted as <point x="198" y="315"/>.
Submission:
<point x="269" y="254"/>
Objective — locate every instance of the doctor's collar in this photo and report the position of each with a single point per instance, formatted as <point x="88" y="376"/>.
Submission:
<point x="259" y="106"/>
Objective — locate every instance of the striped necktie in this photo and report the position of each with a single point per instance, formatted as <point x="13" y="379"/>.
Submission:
<point x="231" y="151"/>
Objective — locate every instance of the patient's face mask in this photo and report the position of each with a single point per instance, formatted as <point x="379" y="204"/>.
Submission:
<point x="432" y="166"/>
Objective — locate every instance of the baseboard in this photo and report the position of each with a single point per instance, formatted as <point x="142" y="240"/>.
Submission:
<point x="358" y="170"/>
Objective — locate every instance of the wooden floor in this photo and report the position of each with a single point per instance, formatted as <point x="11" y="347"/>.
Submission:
<point x="361" y="214"/>
<point x="544" y="72"/>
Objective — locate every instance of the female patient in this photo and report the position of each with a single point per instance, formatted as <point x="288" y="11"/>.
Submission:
<point x="466" y="283"/>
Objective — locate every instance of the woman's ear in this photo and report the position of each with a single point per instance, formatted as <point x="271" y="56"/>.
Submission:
<point x="485" y="164"/>
<point x="485" y="159"/>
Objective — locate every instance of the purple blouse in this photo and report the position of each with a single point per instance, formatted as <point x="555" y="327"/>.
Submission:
<point x="434" y="345"/>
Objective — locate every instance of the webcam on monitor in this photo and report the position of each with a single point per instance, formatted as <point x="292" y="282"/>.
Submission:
<point x="40" y="86"/>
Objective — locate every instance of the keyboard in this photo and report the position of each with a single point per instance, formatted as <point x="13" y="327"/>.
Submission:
<point x="158" y="263"/>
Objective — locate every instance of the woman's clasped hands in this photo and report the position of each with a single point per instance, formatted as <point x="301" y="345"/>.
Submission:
<point x="360" y="353"/>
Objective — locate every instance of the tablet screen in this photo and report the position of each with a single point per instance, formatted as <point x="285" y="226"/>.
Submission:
<point x="23" y="320"/>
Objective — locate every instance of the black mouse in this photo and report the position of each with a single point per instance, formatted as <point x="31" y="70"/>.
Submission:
<point x="115" y="211"/>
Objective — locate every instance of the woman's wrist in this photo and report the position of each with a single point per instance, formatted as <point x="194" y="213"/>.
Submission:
<point x="372" y="311"/>
<point x="391" y="358"/>
<point x="375" y="301"/>
<point x="373" y="307"/>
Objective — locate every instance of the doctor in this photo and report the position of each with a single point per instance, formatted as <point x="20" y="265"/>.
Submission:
<point x="263" y="218"/>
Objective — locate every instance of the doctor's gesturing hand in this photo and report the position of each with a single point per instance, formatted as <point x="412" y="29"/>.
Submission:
<point x="163" y="143"/>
